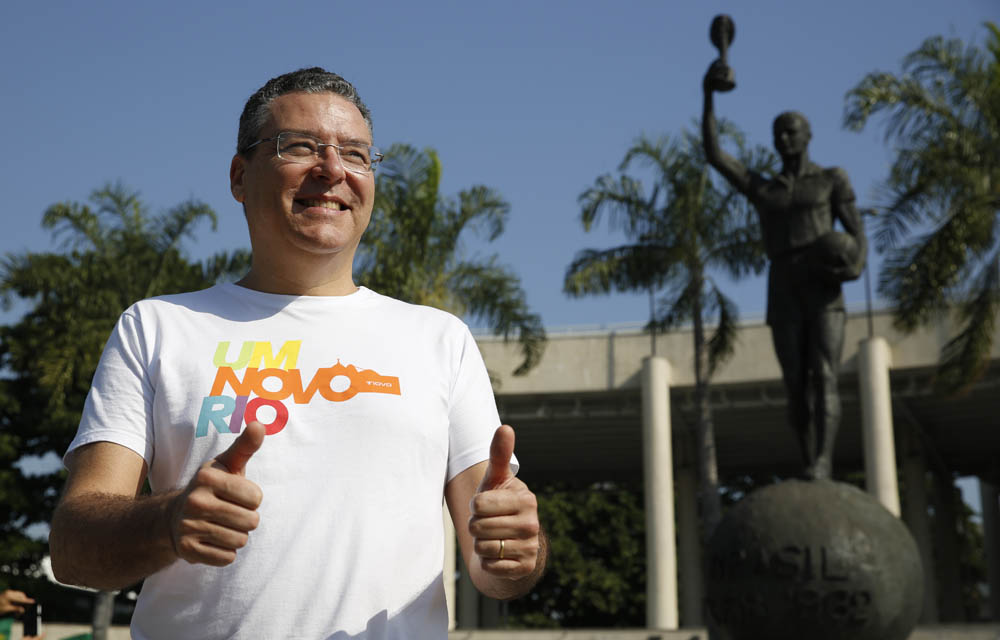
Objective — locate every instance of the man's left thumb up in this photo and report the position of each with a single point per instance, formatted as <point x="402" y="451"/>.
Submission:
<point x="498" y="470"/>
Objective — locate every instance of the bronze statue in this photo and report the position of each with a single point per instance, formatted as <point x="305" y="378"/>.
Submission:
<point x="809" y="260"/>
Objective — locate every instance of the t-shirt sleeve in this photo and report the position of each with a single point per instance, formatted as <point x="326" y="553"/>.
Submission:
<point x="119" y="406"/>
<point x="473" y="412"/>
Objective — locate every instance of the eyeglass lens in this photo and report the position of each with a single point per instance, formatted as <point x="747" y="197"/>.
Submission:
<point x="302" y="148"/>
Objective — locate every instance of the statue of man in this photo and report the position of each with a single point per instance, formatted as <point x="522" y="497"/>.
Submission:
<point x="809" y="260"/>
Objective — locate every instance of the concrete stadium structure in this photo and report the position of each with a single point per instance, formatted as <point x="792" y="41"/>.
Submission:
<point x="585" y="412"/>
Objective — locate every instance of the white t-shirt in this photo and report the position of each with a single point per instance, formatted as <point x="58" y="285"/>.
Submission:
<point x="372" y="406"/>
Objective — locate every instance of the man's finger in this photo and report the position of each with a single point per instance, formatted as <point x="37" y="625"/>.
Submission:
<point x="18" y="597"/>
<point x="501" y="449"/>
<point x="246" y="444"/>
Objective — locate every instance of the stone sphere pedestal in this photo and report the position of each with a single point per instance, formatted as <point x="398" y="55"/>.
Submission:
<point x="816" y="560"/>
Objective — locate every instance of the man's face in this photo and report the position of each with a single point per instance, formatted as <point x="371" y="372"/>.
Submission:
<point x="791" y="136"/>
<point x="312" y="208"/>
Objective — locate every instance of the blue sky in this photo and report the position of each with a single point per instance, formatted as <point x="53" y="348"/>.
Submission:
<point x="535" y="99"/>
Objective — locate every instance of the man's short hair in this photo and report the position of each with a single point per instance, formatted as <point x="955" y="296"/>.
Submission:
<point x="312" y="80"/>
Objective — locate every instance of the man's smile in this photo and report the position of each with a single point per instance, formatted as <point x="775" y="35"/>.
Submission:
<point x="325" y="204"/>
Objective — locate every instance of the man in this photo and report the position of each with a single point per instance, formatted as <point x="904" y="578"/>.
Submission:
<point x="297" y="431"/>
<point x="809" y="261"/>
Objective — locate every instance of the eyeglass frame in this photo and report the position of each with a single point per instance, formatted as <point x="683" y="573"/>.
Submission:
<point x="376" y="155"/>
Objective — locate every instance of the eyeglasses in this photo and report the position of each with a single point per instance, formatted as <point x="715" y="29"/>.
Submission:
<point x="302" y="148"/>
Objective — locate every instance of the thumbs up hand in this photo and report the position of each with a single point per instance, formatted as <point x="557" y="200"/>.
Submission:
<point x="504" y="522"/>
<point x="213" y="516"/>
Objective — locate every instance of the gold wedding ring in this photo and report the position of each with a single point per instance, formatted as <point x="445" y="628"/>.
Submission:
<point x="501" y="549"/>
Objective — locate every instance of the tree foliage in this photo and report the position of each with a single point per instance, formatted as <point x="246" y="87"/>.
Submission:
<point x="412" y="250"/>
<point x="680" y="230"/>
<point x="940" y="214"/>
<point x="115" y="253"/>
<point x="597" y="572"/>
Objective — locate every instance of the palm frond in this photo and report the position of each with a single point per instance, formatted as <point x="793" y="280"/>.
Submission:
<point x="659" y="154"/>
<point x="122" y="205"/>
<point x="906" y="209"/>
<point x="78" y="221"/>
<point x="634" y="267"/>
<point x="677" y="306"/>
<point x="917" y="277"/>
<point x="620" y="199"/>
<point x="493" y="293"/>
<point x="965" y="357"/>
<point x="482" y="208"/>
<point x="739" y="253"/>
<point x="179" y="222"/>
<point x="722" y="344"/>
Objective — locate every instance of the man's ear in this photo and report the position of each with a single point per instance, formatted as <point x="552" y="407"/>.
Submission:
<point x="237" y="177"/>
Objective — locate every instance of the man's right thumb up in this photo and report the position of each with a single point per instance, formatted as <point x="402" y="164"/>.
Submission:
<point x="234" y="459"/>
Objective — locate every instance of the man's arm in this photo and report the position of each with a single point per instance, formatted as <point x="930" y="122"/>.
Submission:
<point x="489" y="505"/>
<point x="845" y="210"/>
<point x="105" y="535"/>
<point x="730" y="168"/>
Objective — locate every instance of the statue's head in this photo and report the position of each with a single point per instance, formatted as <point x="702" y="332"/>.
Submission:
<point x="792" y="133"/>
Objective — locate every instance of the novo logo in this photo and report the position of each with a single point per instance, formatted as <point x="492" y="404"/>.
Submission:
<point x="227" y="414"/>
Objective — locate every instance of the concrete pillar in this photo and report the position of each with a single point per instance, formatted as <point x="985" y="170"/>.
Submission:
<point x="876" y="422"/>
<point x="658" y="473"/>
<point x="468" y="600"/>
<point x="991" y="540"/>
<point x="917" y="521"/>
<point x="689" y="548"/>
<point x="448" y="572"/>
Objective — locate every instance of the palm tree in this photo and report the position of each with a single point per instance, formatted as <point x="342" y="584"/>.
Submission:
<point x="680" y="231"/>
<point x="116" y="253"/>
<point x="412" y="250"/>
<point x="941" y="202"/>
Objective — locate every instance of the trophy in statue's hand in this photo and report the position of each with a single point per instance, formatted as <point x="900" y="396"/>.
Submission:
<point x="720" y="75"/>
